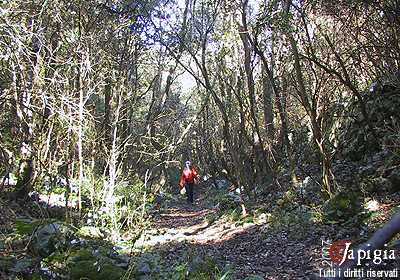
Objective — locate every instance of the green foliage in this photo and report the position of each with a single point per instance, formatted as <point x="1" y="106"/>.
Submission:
<point x="90" y="232"/>
<point x="206" y="268"/>
<point x="88" y="269"/>
<point x="234" y="215"/>
<point x="226" y="201"/>
<point x="6" y="262"/>
<point x="297" y="215"/>
<point x="295" y="219"/>
<point x="57" y="247"/>
<point x="193" y="266"/>
<point x="179" y="272"/>
<point x="26" y="226"/>
<point x="83" y="264"/>
<point x="343" y="207"/>
<point x="287" y="198"/>
<point x="173" y="174"/>
<point x="129" y="125"/>
<point x="125" y="210"/>
<point x="92" y="259"/>
<point x="211" y="218"/>
<point x="58" y="190"/>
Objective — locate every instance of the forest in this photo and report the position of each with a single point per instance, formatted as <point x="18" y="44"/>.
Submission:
<point x="288" y="111"/>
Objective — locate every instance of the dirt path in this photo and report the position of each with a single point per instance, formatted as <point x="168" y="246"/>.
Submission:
<point x="249" y="249"/>
<point x="184" y="222"/>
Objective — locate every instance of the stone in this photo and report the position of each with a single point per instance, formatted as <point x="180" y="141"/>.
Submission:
<point x="143" y="268"/>
<point x="22" y="265"/>
<point x="372" y="205"/>
<point x="49" y="237"/>
<point x="222" y="184"/>
<point x="394" y="178"/>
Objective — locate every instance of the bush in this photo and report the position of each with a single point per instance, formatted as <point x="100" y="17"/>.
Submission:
<point x="343" y="207"/>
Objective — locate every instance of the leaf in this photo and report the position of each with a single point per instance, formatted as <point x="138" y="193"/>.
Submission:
<point x="25" y="226"/>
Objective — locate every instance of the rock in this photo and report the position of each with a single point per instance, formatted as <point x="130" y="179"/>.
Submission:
<point x="196" y="264"/>
<point x="88" y="269"/>
<point x="50" y="237"/>
<point x="378" y="184"/>
<point x="140" y="242"/>
<point x="222" y="184"/>
<point x="123" y="261"/>
<point x="382" y="104"/>
<point x="49" y="273"/>
<point x="228" y="201"/>
<point x="234" y="196"/>
<point x="367" y="170"/>
<point x="145" y="277"/>
<point x="97" y="265"/>
<point x="160" y="198"/>
<point x="264" y="218"/>
<point x="143" y="268"/>
<point x="394" y="179"/>
<point x="23" y="265"/>
<point x="372" y="205"/>
<point x="383" y="184"/>
<point x="247" y="225"/>
<point x="147" y="264"/>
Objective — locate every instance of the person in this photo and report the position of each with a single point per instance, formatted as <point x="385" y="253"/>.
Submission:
<point x="187" y="180"/>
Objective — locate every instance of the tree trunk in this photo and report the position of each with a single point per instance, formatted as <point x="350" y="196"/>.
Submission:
<point x="267" y="98"/>
<point x="311" y="110"/>
<point x="24" y="183"/>
<point x="261" y="160"/>
<point x="80" y="142"/>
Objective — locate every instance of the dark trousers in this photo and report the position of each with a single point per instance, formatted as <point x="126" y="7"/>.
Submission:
<point x="189" y="192"/>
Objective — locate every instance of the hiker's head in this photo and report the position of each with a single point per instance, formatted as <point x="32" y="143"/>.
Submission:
<point x="188" y="164"/>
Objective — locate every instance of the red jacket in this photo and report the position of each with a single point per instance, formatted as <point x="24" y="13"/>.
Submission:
<point x="188" y="176"/>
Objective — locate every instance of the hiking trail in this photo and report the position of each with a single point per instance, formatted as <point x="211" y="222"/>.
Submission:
<point x="248" y="248"/>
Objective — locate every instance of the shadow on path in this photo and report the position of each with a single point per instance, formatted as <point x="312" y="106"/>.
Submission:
<point x="248" y="249"/>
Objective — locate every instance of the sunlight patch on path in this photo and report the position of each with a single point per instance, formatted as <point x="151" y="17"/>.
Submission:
<point x="189" y="226"/>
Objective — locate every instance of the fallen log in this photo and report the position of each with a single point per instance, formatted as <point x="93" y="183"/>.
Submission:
<point x="377" y="242"/>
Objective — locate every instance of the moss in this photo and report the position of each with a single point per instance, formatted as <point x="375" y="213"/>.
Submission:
<point x="82" y="264"/>
<point x="93" y="270"/>
<point x="90" y="232"/>
<point x="81" y="255"/>
<point x="343" y="206"/>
